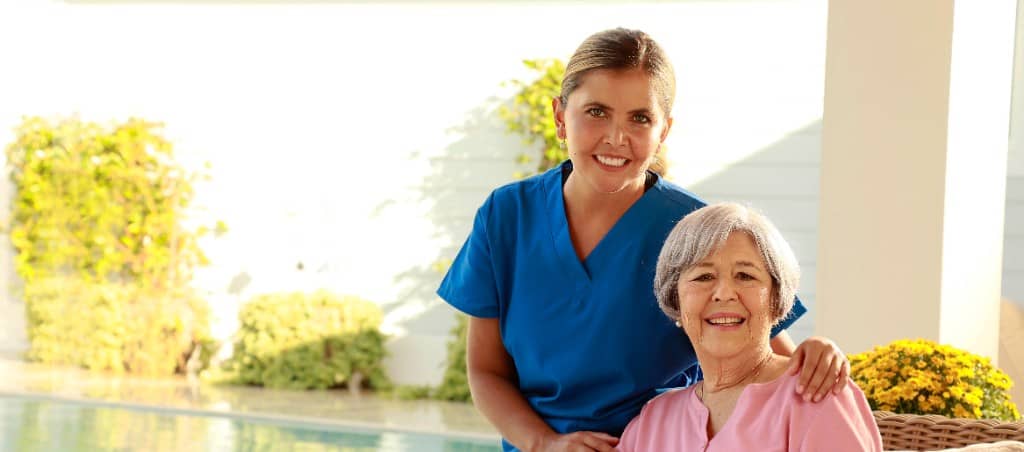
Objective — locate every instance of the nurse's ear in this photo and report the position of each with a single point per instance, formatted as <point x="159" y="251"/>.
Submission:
<point x="668" y="126"/>
<point x="558" y="109"/>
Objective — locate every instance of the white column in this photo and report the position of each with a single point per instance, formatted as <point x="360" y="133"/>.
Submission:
<point x="917" y="99"/>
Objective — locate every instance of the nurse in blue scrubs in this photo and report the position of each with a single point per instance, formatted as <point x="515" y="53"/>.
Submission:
<point x="566" y="340"/>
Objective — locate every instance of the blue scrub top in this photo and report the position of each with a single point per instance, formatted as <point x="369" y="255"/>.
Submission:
<point x="588" y="341"/>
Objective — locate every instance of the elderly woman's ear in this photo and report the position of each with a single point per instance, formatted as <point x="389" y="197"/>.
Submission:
<point x="778" y="309"/>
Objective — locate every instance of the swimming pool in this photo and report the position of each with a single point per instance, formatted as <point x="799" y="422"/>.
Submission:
<point x="40" y="424"/>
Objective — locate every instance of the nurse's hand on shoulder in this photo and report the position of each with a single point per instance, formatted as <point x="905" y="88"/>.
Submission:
<point x="578" y="442"/>
<point x="823" y="367"/>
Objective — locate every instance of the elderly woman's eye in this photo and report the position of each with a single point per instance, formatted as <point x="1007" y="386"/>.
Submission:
<point x="704" y="277"/>
<point x="745" y="276"/>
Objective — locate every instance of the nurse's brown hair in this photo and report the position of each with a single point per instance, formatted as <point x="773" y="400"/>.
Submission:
<point x="622" y="49"/>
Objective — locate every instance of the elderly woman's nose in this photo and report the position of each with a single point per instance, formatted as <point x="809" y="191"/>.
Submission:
<point x="724" y="289"/>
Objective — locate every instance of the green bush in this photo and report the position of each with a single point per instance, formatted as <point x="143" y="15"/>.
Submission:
<point x="307" y="341"/>
<point x="530" y="114"/>
<point x="114" y="327"/>
<point x="98" y="225"/>
<point x="455" y="383"/>
<point x="101" y="204"/>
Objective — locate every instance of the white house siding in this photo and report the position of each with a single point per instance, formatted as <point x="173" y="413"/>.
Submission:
<point x="1013" y="247"/>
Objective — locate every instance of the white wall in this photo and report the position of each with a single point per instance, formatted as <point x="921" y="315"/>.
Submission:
<point x="1013" y="247"/>
<point x="359" y="138"/>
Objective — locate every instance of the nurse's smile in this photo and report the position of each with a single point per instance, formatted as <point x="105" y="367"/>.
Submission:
<point x="610" y="163"/>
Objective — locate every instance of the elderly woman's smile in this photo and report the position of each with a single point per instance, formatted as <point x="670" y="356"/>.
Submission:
<point x="725" y="320"/>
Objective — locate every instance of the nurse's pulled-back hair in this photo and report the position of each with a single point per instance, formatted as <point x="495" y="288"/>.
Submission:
<point x="622" y="49"/>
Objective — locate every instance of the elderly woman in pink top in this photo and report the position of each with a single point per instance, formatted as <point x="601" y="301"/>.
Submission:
<point x="726" y="275"/>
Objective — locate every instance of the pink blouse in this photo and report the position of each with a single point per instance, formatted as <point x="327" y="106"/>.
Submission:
<point x="768" y="417"/>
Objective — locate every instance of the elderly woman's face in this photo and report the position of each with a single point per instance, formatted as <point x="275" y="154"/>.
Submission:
<point x="725" y="299"/>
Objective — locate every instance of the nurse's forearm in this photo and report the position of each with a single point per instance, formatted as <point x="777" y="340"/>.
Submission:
<point x="782" y="344"/>
<point x="500" y="401"/>
<point x="492" y="381"/>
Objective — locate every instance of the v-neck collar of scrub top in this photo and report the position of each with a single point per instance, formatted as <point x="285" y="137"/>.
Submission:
<point x="559" y="223"/>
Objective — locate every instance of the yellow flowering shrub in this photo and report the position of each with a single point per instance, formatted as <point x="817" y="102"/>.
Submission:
<point x="922" y="377"/>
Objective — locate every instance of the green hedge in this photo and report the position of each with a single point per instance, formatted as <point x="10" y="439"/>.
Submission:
<point x="114" y="327"/>
<point x="307" y="341"/>
<point x="98" y="220"/>
<point x="455" y="384"/>
<point x="101" y="203"/>
<point x="529" y="114"/>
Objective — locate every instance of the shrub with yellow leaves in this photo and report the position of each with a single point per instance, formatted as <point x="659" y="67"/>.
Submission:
<point x="922" y="377"/>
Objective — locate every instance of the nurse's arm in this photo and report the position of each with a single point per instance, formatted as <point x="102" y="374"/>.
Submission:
<point x="782" y="344"/>
<point x="492" y="381"/>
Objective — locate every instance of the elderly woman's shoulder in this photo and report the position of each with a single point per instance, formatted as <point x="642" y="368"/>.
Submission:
<point x="847" y="401"/>
<point x="786" y="386"/>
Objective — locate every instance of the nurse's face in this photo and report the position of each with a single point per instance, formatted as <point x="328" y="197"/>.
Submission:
<point x="613" y="126"/>
<point x="725" y="299"/>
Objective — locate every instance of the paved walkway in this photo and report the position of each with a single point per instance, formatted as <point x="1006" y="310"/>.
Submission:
<point x="333" y="408"/>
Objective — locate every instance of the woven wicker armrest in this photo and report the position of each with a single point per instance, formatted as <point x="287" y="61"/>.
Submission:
<point x="932" y="432"/>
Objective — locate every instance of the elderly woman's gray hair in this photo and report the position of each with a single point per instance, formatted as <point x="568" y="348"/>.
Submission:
<point x="705" y="230"/>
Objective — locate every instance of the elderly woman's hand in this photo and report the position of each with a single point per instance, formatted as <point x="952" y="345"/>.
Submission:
<point x="823" y="367"/>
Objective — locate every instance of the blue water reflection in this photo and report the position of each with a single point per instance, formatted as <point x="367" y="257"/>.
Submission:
<point x="46" y="425"/>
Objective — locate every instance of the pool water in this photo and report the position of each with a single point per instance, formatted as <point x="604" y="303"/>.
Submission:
<point x="32" y="424"/>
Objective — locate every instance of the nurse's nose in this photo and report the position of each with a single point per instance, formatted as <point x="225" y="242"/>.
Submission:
<point x="616" y="135"/>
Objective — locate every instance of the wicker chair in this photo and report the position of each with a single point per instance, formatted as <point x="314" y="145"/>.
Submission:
<point x="932" y="432"/>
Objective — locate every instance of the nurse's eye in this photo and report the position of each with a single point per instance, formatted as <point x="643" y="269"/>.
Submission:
<point x="596" y="112"/>
<point x="641" y="118"/>
<point x="703" y="277"/>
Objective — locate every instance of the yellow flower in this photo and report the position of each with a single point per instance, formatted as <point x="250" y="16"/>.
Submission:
<point x="919" y="376"/>
<point x="959" y="411"/>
